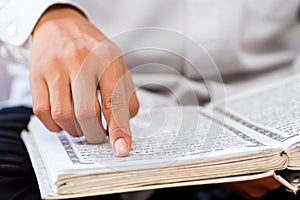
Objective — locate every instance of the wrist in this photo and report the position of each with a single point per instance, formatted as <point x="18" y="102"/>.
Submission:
<point x="59" y="12"/>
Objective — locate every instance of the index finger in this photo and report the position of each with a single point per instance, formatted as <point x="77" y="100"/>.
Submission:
<point x="115" y="106"/>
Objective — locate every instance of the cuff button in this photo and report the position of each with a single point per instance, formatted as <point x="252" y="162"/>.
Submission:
<point x="11" y="29"/>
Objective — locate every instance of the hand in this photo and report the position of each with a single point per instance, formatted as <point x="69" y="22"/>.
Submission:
<point x="64" y="77"/>
<point x="254" y="189"/>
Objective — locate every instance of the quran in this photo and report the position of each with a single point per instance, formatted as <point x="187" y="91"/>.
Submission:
<point x="252" y="136"/>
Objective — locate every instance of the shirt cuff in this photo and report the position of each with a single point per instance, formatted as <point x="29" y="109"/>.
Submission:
<point x="18" y="18"/>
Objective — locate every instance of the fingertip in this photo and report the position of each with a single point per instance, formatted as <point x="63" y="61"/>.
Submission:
<point x="120" y="137"/>
<point x="120" y="142"/>
<point x="73" y="133"/>
<point x="121" y="148"/>
<point x="53" y="128"/>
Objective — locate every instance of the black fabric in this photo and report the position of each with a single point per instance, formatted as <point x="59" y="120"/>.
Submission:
<point x="17" y="179"/>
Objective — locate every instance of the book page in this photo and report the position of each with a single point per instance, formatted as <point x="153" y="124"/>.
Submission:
<point x="273" y="111"/>
<point x="161" y="137"/>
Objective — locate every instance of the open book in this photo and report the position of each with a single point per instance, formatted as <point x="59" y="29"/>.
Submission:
<point x="254" y="135"/>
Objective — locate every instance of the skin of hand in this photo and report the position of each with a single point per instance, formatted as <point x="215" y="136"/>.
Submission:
<point x="64" y="85"/>
<point x="254" y="189"/>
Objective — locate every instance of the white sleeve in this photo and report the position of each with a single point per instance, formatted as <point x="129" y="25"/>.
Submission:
<point x="17" y="20"/>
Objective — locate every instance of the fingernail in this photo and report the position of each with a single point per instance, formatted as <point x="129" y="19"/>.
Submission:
<point x="121" y="147"/>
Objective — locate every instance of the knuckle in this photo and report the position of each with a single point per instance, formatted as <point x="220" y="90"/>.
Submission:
<point x="51" y="58"/>
<point x="40" y="110"/>
<point x="48" y="63"/>
<point x="107" y="104"/>
<point x="73" y="53"/>
<point x="116" y="131"/>
<point x="114" y="103"/>
<point x="61" y="115"/>
<point x="109" y="50"/>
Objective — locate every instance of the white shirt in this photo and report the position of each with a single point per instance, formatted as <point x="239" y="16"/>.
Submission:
<point x="241" y="36"/>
